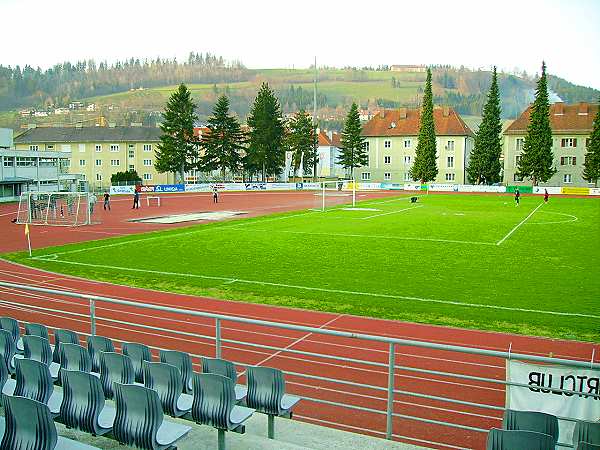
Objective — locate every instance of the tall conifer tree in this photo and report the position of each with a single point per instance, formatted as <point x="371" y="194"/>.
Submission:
<point x="591" y="166"/>
<point x="537" y="159"/>
<point x="425" y="167"/>
<point x="353" y="153"/>
<point x="300" y="141"/>
<point x="484" y="163"/>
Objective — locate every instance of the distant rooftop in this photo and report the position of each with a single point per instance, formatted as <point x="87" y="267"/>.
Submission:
<point x="578" y="117"/>
<point x="89" y="134"/>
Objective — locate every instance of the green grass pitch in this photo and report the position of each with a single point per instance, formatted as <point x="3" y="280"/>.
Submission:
<point x="470" y="261"/>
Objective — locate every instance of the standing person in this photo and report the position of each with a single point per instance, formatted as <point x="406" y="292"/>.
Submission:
<point x="546" y="196"/>
<point x="92" y="200"/>
<point x="106" y="200"/>
<point x="517" y="196"/>
<point x="215" y="195"/>
<point x="136" y="197"/>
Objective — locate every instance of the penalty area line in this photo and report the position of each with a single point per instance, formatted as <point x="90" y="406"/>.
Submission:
<point x="519" y="224"/>
<point x="318" y="289"/>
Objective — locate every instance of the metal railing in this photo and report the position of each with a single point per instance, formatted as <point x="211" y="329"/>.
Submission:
<point x="391" y="367"/>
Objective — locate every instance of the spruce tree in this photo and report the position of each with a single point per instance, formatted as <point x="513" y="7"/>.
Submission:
<point x="537" y="159"/>
<point x="223" y="144"/>
<point x="300" y="141"/>
<point x="484" y="162"/>
<point x="177" y="148"/>
<point x="266" y="151"/>
<point x="591" y="165"/>
<point x="425" y="167"/>
<point x="353" y="153"/>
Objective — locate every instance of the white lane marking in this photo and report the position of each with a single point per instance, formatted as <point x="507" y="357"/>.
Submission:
<point x="519" y="224"/>
<point x="335" y="291"/>
<point x="391" y="212"/>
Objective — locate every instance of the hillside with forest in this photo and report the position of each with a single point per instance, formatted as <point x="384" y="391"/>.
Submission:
<point x="135" y="91"/>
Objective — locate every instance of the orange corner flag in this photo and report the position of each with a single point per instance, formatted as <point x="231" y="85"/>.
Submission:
<point x="27" y="229"/>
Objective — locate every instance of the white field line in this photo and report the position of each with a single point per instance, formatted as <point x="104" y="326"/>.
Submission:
<point x="369" y="236"/>
<point x="391" y="212"/>
<point x="318" y="289"/>
<point x="519" y="224"/>
<point x="395" y="199"/>
<point x="572" y="218"/>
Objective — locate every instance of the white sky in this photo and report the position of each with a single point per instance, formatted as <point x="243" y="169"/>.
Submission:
<point x="284" y="33"/>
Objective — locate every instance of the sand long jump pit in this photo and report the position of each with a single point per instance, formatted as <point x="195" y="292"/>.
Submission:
<point x="191" y="217"/>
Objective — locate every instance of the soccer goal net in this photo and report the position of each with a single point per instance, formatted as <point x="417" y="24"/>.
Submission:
<point x="55" y="208"/>
<point x="331" y="194"/>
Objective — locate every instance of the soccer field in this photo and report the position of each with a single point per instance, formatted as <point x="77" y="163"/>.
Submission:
<point x="462" y="260"/>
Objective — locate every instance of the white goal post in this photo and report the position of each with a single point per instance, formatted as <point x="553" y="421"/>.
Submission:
<point x="56" y="208"/>
<point x="335" y="193"/>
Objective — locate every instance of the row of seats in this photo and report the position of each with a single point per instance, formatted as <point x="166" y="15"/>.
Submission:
<point x="89" y="376"/>
<point x="539" y="431"/>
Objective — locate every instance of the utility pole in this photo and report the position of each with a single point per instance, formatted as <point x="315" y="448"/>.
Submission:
<point x="316" y="138"/>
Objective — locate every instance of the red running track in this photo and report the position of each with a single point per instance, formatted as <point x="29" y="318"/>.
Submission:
<point x="164" y="330"/>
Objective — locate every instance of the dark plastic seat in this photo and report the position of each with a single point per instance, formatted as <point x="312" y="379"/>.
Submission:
<point x="165" y="379"/>
<point x="531" y="421"/>
<point x="74" y="357"/>
<point x="138" y="353"/>
<point x="10" y="324"/>
<point x="183" y="362"/>
<point x="587" y="446"/>
<point x="7" y="385"/>
<point x="140" y="420"/>
<point x="63" y="336"/>
<point x="95" y="345"/>
<point x="115" y="367"/>
<point x="36" y="329"/>
<point x="38" y="348"/>
<point x="518" y="440"/>
<point x="7" y="349"/>
<point x="227" y="369"/>
<point x="83" y="406"/>
<point x="266" y="394"/>
<point x="585" y="431"/>
<point x="214" y="405"/>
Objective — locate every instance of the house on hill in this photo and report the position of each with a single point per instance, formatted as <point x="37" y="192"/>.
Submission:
<point x="328" y="152"/>
<point x="408" y="68"/>
<point x="391" y="139"/>
<point x="571" y="130"/>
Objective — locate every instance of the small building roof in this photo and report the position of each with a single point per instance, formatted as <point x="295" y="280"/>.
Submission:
<point x="89" y="134"/>
<point x="15" y="180"/>
<point x="575" y="118"/>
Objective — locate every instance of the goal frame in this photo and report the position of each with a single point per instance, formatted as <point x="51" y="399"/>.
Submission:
<point x="82" y="213"/>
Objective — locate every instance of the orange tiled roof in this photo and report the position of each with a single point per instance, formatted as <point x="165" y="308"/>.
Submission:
<point x="563" y="119"/>
<point x="405" y="122"/>
<point x="325" y="141"/>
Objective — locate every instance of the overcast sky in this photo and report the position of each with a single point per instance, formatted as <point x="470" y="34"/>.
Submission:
<point x="265" y="34"/>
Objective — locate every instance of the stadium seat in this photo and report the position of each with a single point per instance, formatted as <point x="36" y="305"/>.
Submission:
<point x="114" y="367"/>
<point x="227" y="369"/>
<point x="36" y="329"/>
<point x="587" y="446"/>
<point x="7" y="349"/>
<point x="140" y="420"/>
<point x="214" y="405"/>
<point x="63" y="336"/>
<point x="183" y="362"/>
<point x="585" y="431"/>
<point x="33" y="380"/>
<point x="138" y="353"/>
<point x="6" y="383"/>
<point x="83" y="406"/>
<point x="518" y="440"/>
<point x="74" y="357"/>
<point x="38" y="349"/>
<point x="29" y="425"/>
<point x="531" y="421"/>
<point x="165" y="379"/>
<point x="10" y="324"/>
<point x="266" y="394"/>
<point x="97" y="344"/>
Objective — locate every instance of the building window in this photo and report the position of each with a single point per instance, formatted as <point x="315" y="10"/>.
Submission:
<point x="366" y="146"/>
<point x="387" y="176"/>
<point x="407" y="159"/>
<point x="131" y="154"/>
<point x="66" y="163"/>
<point x="25" y="162"/>
<point x="98" y="162"/>
<point x="34" y="148"/>
<point x="98" y="148"/>
<point x="450" y="161"/>
<point x="9" y="162"/>
<point x="407" y="143"/>
<point x="407" y="176"/>
<point x="519" y="144"/>
<point x="517" y="177"/>
<point x="114" y="147"/>
<point x="387" y="144"/>
<point x="568" y="160"/>
<point x="131" y="167"/>
<point x="518" y="159"/>
<point x="98" y="177"/>
<point x="82" y="162"/>
<point x="131" y="146"/>
<point x="387" y="159"/>
<point x="568" y="142"/>
<point x="449" y="177"/>
<point x="147" y="147"/>
<point x="147" y="176"/>
<point x="450" y="146"/>
<point x="147" y="162"/>
<point x="81" y="148"/>
<point x="49" y="147"/>
<point x="567" y="178"/>
<point x="115" y="162"/>
<point x="47" y="162"/>
<point x="365" y="176"/>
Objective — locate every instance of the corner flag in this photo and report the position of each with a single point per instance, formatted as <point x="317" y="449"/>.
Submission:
<point x="28" y="239"/>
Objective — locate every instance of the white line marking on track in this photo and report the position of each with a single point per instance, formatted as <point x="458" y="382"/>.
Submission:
<point x="335" y="291"/>
<point x="519" y="224"/>
<point x="391" y="212"/>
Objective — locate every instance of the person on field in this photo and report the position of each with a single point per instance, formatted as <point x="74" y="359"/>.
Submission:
<point x="92" y="201"/>
<point x="136" y="197"/>
<point x="106" y="201"/>
<point x="546" y="195"/>
<point x="215" y="195"/>
<point x="517" y="196"/>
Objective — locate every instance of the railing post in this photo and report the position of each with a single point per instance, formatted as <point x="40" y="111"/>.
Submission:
<point x="93" y="316"/>
<point x="217" y="337"/>
<point x="390" y="396"/>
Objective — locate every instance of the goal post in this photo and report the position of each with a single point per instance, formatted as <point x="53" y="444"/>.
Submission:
<point x="56" y="208"/>
<point x="335" y="193"/>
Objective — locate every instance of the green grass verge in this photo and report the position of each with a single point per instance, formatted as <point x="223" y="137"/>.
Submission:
<point x="433" y="262"/>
